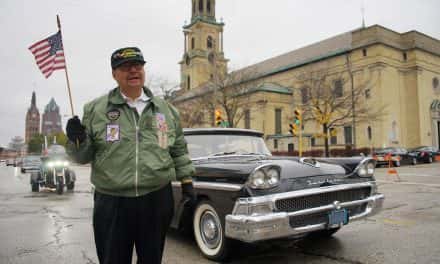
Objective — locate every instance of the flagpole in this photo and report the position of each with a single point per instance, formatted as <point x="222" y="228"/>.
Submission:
<point x="65" y="68"/>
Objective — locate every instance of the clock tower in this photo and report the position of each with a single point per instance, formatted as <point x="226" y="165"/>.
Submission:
<point x="32" y="120"/>
<point x="203" y="58"/>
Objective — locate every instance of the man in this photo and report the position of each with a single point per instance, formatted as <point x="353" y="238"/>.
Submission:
<point x="135" y="144"/>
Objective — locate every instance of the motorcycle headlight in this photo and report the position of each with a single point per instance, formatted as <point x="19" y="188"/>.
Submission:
<point x="50" y="164"/>
<point x="264" y="177"/>
<point x="65" y="163"/>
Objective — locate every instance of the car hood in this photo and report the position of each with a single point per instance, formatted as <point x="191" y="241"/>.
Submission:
<point x="237" y="168"/>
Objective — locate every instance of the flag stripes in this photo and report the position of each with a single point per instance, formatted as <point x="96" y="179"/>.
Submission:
<point x="49" y="54"/>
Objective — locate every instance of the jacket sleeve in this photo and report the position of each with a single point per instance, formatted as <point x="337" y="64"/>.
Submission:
<point x="179" y="152"/>
<point x="84" y="152"/>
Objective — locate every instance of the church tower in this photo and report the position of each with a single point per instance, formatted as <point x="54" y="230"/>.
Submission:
<point x="203" y="58"/>
<point x="32" y="120"/>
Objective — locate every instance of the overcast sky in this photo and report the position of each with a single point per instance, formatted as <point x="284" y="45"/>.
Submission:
<point x="254" y="30"/>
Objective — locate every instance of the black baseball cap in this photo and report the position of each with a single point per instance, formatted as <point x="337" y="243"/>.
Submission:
<point x="123" y="55"/>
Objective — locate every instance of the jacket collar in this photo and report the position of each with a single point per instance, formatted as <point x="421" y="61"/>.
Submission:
<point x="115" y="96"/>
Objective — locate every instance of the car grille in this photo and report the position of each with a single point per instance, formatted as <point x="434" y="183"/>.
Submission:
<point x="322" y="217"/>
<point x="321" y="199"/>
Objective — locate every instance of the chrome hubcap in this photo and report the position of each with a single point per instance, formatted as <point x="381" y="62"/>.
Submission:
<point x="210" y="229"/>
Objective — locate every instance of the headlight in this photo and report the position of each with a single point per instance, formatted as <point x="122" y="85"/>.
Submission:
<point x="50" y="164"/>
<point x="366" y="168"/>
<point x="265" y="176"/>
<point x="65" y="163"/>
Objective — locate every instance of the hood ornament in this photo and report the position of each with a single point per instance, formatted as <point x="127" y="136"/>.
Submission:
<point x="310" y="161"/>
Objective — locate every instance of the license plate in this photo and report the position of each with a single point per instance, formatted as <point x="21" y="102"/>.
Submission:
<point x="337" y="218"/>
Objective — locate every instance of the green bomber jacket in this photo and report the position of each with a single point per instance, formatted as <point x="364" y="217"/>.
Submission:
<point x="132" y="154"/>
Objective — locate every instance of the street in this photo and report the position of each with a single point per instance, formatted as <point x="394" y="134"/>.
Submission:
<point x="48" y="228"/>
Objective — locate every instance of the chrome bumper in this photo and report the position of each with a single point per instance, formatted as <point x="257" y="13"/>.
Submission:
<point x="256" y="218"/>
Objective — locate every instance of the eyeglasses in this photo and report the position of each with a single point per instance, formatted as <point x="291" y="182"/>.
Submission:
<point x="125" y="67"/>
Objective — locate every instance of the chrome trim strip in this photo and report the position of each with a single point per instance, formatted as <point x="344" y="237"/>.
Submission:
<point x="231" y="187"/>
<point x="293" y="194"/>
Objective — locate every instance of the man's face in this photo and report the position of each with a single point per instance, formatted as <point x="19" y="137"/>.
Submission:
<point x="130" y="75"/>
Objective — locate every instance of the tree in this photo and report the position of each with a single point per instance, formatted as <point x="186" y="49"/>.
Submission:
<point x="35" y="144"/>
<point x="17" y="143"/>
<point x="324" y="100"/>
<point x="229" y="94"/>
<point x="162" y="87"/>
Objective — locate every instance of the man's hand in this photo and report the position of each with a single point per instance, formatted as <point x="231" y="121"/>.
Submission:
<point x="76" y="132"/>
<point x="188" y="191"/>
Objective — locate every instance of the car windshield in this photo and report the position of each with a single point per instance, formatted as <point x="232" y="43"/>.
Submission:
<point x="216" y="145"/>
<point x="56" y="150"/>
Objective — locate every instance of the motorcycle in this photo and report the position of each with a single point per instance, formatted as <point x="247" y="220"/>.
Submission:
<point x="54" y="173"/>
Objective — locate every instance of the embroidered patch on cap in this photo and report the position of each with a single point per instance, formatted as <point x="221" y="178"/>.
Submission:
<point x="113" y="115"/>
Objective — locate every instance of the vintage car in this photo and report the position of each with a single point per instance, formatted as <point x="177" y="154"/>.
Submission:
<point x="246" y="194"/>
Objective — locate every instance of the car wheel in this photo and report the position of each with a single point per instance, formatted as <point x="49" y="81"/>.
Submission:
<point x="70" y="186"/>
<point x="209" y="232"/>
<point x="397" y="163"/>
<point x="35" y="187"/>
<point x="414" y="161"/>
<point x="23" y="170"/>
<point x="430" y="160"/>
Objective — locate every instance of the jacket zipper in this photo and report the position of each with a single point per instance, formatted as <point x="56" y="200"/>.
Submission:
<point x="137" y="154"/>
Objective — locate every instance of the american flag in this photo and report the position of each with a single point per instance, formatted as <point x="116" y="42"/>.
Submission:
<point x="49" y="54"/>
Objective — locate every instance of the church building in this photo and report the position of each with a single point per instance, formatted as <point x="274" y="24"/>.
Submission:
<point x="368" y="88"/>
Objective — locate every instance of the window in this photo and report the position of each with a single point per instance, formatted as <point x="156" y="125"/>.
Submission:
<point x="209" y="42"/>
<point x="404" y="56"/>
<point x="348" y="135"/>
<point x="277" y="121"/>
<point x="333" y="136"/>
<point x="193" y="43"/>
<point x="200" y="6"/>
<point x="208" y="6"/>
<point x="338" y="88"/>
<point x="247" y="119"/>
<point x="275" y="143"/>
<point x="211" y="58"/>
<point x="304" y="95"/>
<point x="188" y="82"/>
<point x="194" y="8"/>
<point x="369" y="132"/>
<point x="313" y="141"/>
<point x="290" y="147"/>
<point x="367" y="93"/>
<point x="364" y="52"/>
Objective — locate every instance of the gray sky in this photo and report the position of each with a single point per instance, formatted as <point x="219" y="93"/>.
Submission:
<point x="254" y="30"/>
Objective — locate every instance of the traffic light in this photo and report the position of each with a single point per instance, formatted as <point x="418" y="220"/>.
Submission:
<point x="297" y="118"/>
<point x="293" y="129"/>
<point x="218" y="117"/>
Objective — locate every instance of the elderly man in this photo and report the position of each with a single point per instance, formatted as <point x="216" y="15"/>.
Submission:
<point x="135" y="144"/>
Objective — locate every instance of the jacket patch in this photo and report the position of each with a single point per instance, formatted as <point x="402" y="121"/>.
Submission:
<point x="113" y="115"/>
<point x="162" y="130"/>
<point x="112" y="133"/>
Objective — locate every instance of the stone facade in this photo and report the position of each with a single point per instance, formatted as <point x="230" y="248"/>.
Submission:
<point x="51" y="122"/>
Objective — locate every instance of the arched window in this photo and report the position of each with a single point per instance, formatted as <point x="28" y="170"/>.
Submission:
<point x="209" y="42"/>
<point x="188" y="82"/>
<point x="200" y="6"/>
<point x="304" y="95"/>
<point x="369" y="132"/>
<point x="193" y="43"/>
<point x="208" y="6"/>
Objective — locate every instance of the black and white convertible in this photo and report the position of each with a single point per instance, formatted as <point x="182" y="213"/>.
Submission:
<point x="244" y="193"/>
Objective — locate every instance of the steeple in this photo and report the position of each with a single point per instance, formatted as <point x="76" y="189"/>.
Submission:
<point x="34" y="101"/>
<point x="203" y="58"/>
<point x="203" y="9"/>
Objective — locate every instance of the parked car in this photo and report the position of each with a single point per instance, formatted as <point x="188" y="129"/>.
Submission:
<point x="425" y="154"/>
<point x="31" y="163"/>
<point x="246" y="194"/>
<point x="10" y="162"/>
<point x="397" y="155"/>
